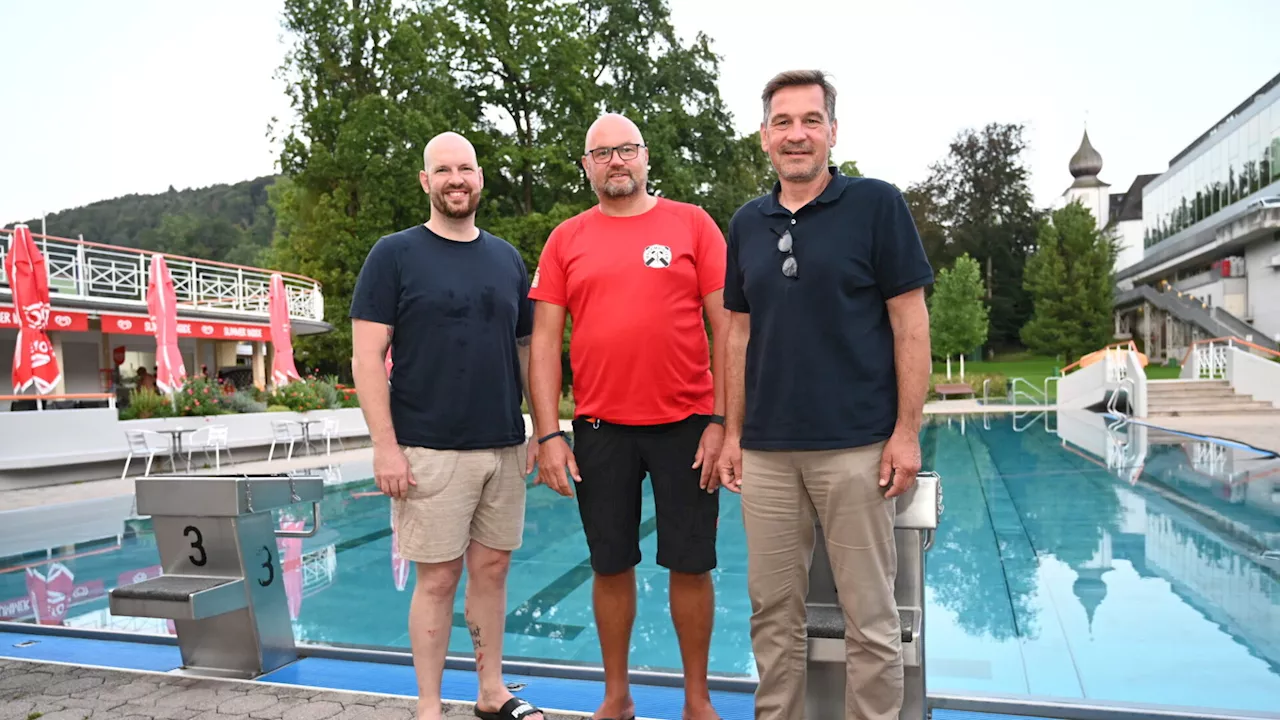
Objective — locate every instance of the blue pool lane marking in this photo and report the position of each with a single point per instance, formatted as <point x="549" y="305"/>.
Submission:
<point x="658" y="703"/>
<point x="102" y="653"/>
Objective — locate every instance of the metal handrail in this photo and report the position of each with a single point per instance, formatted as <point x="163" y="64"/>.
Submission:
<point x="986" y="384"/>
<point x="1014" y="392"/>
<point x="1054" y="378"/>
<point x="1033" y="414"/>
<point x="1113" y="401"/>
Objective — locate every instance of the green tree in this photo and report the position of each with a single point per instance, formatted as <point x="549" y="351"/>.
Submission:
<point x="548" y="68"/>
<point x="369" y="82"/>
<point x="979" y="197"/>
<point x="1071" y="281"/>
<point x="957" y="317"/>
<point x="929" y="223"/>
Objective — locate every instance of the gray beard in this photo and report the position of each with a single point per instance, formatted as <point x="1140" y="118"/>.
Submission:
<point x="633" y="186"/>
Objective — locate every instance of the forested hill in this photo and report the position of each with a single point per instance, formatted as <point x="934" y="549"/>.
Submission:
<point x="228" y="223"/>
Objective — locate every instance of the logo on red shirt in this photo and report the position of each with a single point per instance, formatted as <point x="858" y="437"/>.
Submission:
<point x="657" y="256"/>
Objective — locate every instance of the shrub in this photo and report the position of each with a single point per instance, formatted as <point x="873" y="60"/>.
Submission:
<point x="300" y="396"/>
<point x="278" y="408"/>
<point x="199" y="396"/>
<point x="146" y="403"/>
<point x="328" y="392"/>
<point x="243" y="402"/>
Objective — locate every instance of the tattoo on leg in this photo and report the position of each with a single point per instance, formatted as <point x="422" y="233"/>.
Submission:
<point x="475" y="635"/>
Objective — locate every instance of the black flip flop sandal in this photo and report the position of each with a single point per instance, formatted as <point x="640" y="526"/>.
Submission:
<point x="513" y="709"/>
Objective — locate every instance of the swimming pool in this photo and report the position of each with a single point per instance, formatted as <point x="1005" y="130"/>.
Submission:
<point x="1071" y="562"/>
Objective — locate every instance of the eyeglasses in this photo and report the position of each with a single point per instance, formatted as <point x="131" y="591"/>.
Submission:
<point x="789" y="267"/>
<point x="627" y="151"/>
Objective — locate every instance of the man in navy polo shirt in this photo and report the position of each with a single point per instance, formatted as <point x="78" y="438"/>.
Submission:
<point x="828" y="366"/>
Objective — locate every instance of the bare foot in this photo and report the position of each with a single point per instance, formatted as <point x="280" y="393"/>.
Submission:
<point x="622" y="708"/>
<point x="699" y="709"/>
<point x="429" y="710"/>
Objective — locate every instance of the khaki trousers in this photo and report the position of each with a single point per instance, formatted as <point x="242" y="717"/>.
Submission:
<point x="782" y="494"/>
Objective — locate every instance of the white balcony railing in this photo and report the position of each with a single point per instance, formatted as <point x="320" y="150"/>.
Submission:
<point x="80" y="270"/>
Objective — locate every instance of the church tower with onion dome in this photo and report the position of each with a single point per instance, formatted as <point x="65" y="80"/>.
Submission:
<point x="1088" y="189"/>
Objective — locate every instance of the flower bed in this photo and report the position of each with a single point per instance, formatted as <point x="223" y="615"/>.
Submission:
<point x="201" y="396"/>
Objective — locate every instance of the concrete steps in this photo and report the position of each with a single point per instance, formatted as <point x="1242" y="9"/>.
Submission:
<point x="1175" y="398"/>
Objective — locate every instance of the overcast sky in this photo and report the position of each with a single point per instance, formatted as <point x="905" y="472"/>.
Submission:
<point x="106" y="99"/>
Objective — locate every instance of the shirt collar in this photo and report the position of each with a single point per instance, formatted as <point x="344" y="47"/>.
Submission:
<point x="830" y="193"/>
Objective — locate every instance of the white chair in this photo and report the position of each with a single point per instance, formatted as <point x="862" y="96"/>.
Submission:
<point x="282" y="432"/>
<point x="212" y="437"/>
<point x="330" y="430"/>
<point x="140" y="443"/>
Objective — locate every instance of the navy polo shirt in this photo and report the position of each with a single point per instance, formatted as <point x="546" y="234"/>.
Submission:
<point x="820" y="369"/>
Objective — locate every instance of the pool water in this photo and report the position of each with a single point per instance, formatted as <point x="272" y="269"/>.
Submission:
<point x="1072" y="561"/>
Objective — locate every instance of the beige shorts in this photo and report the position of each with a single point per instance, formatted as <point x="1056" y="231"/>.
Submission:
<point x="460" y="496"/>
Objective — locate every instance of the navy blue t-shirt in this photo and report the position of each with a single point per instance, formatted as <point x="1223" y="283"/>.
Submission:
<point x="820" y="369"/>
<point x="456" y="309"/>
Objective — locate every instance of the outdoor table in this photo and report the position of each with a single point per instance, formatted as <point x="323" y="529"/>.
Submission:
<point x="306" y="432"/>
<point x="175" y="447"/>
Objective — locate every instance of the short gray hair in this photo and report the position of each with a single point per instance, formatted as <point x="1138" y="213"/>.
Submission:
<point x="798" y="78"/>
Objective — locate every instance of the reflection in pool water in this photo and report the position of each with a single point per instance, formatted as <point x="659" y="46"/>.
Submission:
<point x="1072" y="561"/>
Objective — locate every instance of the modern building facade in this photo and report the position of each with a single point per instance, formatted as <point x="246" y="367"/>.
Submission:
<point x="1210" y="233"/>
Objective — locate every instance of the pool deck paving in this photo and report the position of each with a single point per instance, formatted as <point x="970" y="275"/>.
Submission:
<point x="53" y="691"/>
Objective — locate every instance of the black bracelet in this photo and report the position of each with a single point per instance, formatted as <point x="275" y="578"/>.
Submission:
<point x="717" y="419"/>
<point x="545" y="438"/>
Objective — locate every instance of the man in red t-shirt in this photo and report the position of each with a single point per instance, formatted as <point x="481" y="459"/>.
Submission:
<point x="636" y="273"/>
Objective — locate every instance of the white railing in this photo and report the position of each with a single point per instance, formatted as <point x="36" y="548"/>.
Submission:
<point x="1211" y="361"/>
<point x="1209" y="458"/>
<point x="80" y="270"/>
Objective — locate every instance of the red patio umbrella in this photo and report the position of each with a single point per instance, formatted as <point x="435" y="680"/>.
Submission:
<point x="283" y="370"/>
<point x="50" y="594"/>
<point x="34" y="362"/>
<point x="162" y="303"/>
<point x="290" y="554"/>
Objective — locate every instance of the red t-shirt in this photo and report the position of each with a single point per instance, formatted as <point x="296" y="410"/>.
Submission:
<point x="633" y="287"/>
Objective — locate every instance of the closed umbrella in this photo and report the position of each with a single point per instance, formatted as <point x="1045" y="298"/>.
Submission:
<point x="50" y="594"/>
<point x="290" y="553"/>
<point x="162" y="303"/>
<point x="34" y="362"/>
<point x="283" y="371"/>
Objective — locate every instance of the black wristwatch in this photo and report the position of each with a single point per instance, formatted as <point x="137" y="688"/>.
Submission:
<point x="717" y="419"/>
